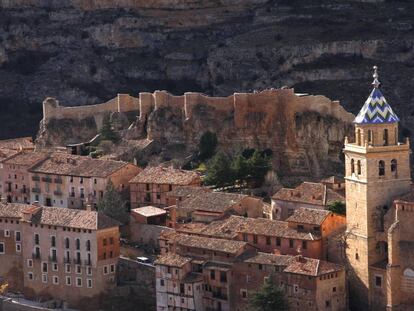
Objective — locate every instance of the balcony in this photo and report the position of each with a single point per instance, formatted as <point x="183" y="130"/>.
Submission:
<point x="35" y="178"/>
<point x="58" y="180"/>
<point x="36" y="190"/>
<point x="53" y="258"/>
<point x="47" y="179"/>
<point x="58" y="192"/>
<point x="66" y="260"/>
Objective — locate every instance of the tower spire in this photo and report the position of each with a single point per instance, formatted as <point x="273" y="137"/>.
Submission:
<point x="376" y="82"/>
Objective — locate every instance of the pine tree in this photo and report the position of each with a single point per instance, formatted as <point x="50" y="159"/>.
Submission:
<point x="107" y="132"/>
<point x="241" y="168"/>
<point x="207" y="145"/>
<point x="259" y="165"/>
<point x="219" y="172"/>
<point x="113" y="205"/>
<point x="269" y="298"/>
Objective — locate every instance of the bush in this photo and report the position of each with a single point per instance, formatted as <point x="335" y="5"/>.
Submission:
<point x="337" y="207"/>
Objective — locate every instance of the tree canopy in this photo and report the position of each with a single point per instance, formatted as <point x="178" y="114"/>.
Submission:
<point x="219" y="172"/>
<point x="269" y="298"/>
<point x="207" y="145"/>
<point x="337" y="207"/>
<point x="113" y="205"/>
<point x="107" y="132"/>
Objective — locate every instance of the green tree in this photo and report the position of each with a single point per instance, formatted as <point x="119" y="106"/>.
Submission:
<point x="113" y="205"/>
<point x="207" y="145"/>
<point x="337" y="207"/>
<point x="269" y="298"/>
<point x="259" y="165"/>
<point x="219" y="171"/>
<point x="241" y="168"/>
<point x="107" y="132"/>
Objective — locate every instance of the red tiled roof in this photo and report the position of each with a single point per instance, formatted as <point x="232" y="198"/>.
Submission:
<point x="311" y="267"/>
<point x="311" y="216"/>
<point x="149" y="211"/>
<point x="219" y="245"/>
<point x="59" y="216"/>
<point x="165" y="175"/>
<point x="60" y="163"/>
<point x="27" y="158"/>
<point x="211" y="201"/>
<point x="173" y="260"/>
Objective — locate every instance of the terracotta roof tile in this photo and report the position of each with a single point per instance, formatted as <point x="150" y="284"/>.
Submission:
<point x="211" y="201"/>
<point x="173" y="260"/>
<point x="270" y="259"/>
<point x="307" y="192"/>
<point x="311" y="267"/>
<point x="60" y="163"/>
<point x="58" y="216"/>
<point x="309" y="216"/>
<point x="27" y="158"/>
<point x="187" y="191"/>
<point x="165" y="175"/>
<point x="17" y="143"/>
<point x="229" y="228"/>
<point x="219" y="245"/>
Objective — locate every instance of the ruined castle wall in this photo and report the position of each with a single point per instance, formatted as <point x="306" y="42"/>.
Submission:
<point x="121" y="103"/>
<point x="192" y="99"/>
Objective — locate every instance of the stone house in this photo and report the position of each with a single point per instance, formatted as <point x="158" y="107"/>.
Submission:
<point x="58" y="253"/>
<point x="206" y="206"/>
<point x="229" y="271"/>
<point x="151" y="186"/>
<point x="307" y="194"/>
<point x="66" y="180"/>
<point x="149" y="215"/>
<point x="16" y="177"/>
<point x="305" y="233"/>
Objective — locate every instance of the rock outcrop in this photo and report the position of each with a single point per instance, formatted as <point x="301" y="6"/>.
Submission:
<point x="85" y="52"/>
<point x="304" y="132"/>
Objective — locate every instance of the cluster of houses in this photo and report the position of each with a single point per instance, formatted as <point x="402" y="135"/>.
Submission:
<point x="216" y="248"/>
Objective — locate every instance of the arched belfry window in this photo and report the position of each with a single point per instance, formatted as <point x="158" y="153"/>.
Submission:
<point x="369" y="136"/>
<point x="385" y="137"/>
<point x="352" y="166"/>
<point x="381" y="168"/>
<point x="359" y="167"/>
<point x="394" y="166"/>
<point x="358" y="138"/>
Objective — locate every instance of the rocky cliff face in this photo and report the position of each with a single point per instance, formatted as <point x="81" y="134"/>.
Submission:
<point x="84" y="52"/>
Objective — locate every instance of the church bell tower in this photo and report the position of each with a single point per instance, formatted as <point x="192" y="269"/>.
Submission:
<point x="377" y="169"/>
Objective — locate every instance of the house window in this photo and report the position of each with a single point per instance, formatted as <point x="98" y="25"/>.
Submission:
<point x="67" y="268"/>
<point x="290" y="243"/>
<point x="18" y="248"/>
<point x="77" y="244"/>
<point x="394" y="166"/>
<point x="112" y="268"/>
<point x="104" y="242"/>
<point x="223" y="276"/>
<point x="381" y="168"/>
<point x="296" y="288"/>
<point x="17" y="236"/>
<point x="245" y="239"/>
<point x="268" y="240"/>
<point x="161" y="282"/>
<point x="7" y="233"/>
<point x="105" y="269"/>
<point x="55" y="280"/>
<point x="327" y="303"/>
<point x="36" y="239"/>
<point x="44" y="267"/>
<point x="53" y="241"/>
<point x="278" y="242"/>
<point x="68" y="281"/>
<point x="212" y="274"/>
<point x="30" y="276"/>
<point x="359" y="167"/>
<point x="89" y="283"/>
<point x="334" y="289"/>
<point x="44" y="278"/>
<point x="255" y="239"/>
<point x="304" y="244"/>
<point x="54" y="266"/>
<point x="89" y="271"/>
<point x="352" y="166"/>
<point x="378" y="281"/>
<point x="79" y="282"/>
<point x="67" y="243"/>
<point x="30" y="263"/>
<point x="243" y="293"/>
<point x="2" y="250"/>
<point x="78" y="269"/>
<point x="88" y="245"/>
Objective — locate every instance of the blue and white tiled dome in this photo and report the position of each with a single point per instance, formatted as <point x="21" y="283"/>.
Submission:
<point x="376" y="110"/>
